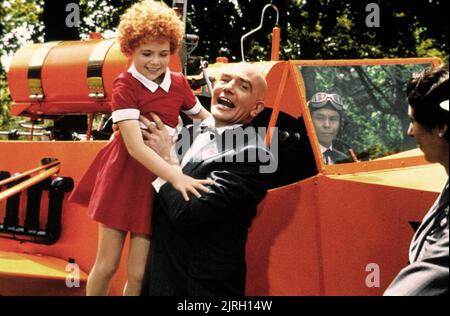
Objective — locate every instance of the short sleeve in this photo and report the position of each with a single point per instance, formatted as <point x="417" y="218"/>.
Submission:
<point x="124" y="100"/>
<point x="191" y="104"/>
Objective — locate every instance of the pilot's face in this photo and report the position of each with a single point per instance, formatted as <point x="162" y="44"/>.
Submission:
<point x="326" y="123"/>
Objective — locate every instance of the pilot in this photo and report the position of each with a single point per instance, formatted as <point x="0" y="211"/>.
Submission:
<point x="328" y="118"/>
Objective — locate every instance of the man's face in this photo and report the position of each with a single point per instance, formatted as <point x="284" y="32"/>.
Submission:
<point x="326" y="123"/>
<point x="238" y="95"/>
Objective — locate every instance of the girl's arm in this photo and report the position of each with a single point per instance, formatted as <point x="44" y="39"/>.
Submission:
<point x="202" y="115"/>
<point x="131" y="134"/>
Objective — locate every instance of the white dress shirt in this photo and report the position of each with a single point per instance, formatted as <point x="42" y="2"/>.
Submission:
<point x="328" y="159"/>
<point x="202" y="147"/>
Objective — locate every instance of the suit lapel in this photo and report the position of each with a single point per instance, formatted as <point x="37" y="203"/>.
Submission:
<point x="192" y="165"/>
<point x="194" y="132"/>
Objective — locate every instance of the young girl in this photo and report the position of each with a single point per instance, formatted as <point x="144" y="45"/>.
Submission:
<point x="117" y="186"/>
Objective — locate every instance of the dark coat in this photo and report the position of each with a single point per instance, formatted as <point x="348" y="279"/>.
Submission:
<point x="427" y="273"/>
<point x="198" y="247"/>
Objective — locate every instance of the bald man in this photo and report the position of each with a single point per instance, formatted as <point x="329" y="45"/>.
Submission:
<point x="198" y="247"/>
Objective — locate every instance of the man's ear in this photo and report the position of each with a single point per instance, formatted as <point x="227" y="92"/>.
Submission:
<point x="258" y="108"/>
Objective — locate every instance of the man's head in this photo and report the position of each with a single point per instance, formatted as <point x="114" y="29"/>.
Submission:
<point x="238" y="95"/>
<point x="326" y="112"/>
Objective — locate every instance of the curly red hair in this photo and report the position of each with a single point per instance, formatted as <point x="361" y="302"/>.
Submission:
<point x="149" y="21"/>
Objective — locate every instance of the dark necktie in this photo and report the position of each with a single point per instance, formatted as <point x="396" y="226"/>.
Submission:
<point x="329" y="156"/>
<point x="213" y="133"/>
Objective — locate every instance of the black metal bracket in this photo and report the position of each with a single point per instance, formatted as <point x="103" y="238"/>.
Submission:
<point x="31" y="231"/>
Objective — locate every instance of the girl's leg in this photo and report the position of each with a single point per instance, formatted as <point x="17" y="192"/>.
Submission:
<point x="110" y="244"/>
<point x="137" y="262"/>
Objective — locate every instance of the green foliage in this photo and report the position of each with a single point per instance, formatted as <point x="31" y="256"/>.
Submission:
<point x="20" y="24"/>
<point x="319" y="29"/>
<point x="337" y="29"/>
<point x="101" y="15"/>
<point x="4" y="101"/>
<point x="221" y="20"/>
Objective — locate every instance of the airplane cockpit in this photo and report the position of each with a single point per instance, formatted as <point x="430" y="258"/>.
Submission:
<point x="361" y="109"/>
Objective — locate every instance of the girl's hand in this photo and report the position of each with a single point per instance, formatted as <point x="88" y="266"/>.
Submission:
<point x="185" y="184"/>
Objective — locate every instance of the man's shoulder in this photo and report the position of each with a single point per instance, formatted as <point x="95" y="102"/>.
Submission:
<point x="246" y="137"/>
<point x="342" y="150"/>
<point x="341" y="146"/>
<point x="251" y="152"/>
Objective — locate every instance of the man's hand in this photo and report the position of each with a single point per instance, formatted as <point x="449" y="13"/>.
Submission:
<point x="158" y="138"/>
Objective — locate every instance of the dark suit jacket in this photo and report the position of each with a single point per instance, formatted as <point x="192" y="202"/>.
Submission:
<point x="198" y="247"/>
<point x="341" y="152"/>
<point x="427" y="273"/>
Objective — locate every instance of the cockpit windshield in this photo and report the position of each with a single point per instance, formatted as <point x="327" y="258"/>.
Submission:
<point x="359" y="111"/>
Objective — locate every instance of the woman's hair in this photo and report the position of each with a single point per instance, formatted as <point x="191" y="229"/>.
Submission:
<point x="426" y="90"/>
<point x="149" y="21"/>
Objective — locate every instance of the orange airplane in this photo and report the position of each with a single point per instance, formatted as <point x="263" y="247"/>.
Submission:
<point x="323" y="229"/>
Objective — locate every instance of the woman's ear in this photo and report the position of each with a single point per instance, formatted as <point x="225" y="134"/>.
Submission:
<point x="442" y="130"/>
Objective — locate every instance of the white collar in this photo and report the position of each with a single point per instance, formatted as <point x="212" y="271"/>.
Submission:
<point x="323" y="148"/>
<point x="150" y="84"/>
<point x="210" y="122"/>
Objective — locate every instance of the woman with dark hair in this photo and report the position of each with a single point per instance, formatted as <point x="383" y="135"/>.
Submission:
<point x="428" y="271"/>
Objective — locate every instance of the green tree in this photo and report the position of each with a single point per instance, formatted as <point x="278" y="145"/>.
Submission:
<point x="220" y="18"/>
<point x="319" y="29"/>
<point x="20" y="24"/>
<point x="337" y="29"/>
<point x="101" y="15"/>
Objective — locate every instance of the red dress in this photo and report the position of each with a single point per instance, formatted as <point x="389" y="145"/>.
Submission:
<point x="116" y="188"/>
